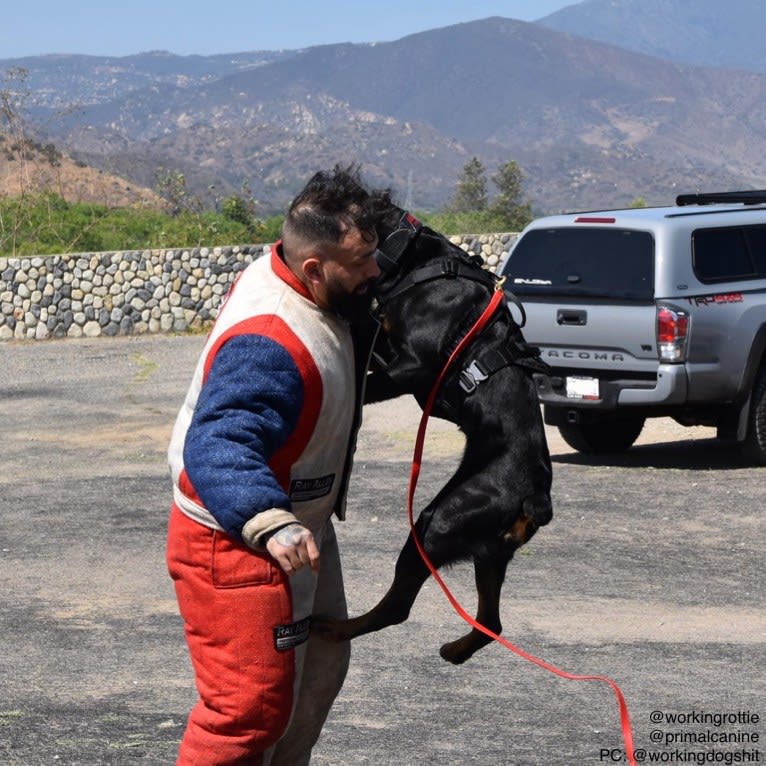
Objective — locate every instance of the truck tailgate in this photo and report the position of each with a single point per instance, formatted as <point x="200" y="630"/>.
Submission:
<point x="593" y="336"/>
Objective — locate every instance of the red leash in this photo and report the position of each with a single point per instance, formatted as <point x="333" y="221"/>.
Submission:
<point x="627" y="733"/>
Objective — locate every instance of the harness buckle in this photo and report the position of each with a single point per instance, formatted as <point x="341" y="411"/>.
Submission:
<point x="471" y="376"/>
<point x="451" y="268"/>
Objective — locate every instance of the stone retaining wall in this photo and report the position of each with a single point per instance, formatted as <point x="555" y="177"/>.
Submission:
<point x="138" y="291"/>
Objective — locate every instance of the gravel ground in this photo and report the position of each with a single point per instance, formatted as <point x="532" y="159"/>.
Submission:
<point x="651" y="573"/>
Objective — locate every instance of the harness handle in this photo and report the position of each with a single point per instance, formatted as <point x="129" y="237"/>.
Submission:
<point x="481" y="322"/>
<point x="396" y="243"/>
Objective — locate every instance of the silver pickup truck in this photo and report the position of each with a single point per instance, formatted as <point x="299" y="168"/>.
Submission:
<point x="649" y="312"/>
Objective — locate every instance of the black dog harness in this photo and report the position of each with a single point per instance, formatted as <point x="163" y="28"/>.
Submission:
<point x="512" y="351"/>
<point x="456" y="264"/>
<point x="397" y="243"/>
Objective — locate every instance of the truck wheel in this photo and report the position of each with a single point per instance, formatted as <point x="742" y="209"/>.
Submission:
<point x="754" y="446"/>
<point x="602" y="436"/>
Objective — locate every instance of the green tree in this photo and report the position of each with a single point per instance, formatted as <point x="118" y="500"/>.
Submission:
<point x="242" y="208"/>
<point x="471" y="190"/>
<point x="171" y="185"/>
<point x="507" y="208"/>
<point x="470" y="208"/>
<point x="272" y="229"/>
<point x="235" y="209"/>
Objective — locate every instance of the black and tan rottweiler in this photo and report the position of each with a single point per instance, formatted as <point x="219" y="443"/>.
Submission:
<point x="429" y="295"/>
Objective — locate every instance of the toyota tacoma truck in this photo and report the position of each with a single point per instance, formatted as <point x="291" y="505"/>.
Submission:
<point x="649" y="312"/>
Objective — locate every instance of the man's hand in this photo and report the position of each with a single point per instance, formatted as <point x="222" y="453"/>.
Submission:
<point x="293" y="547"/>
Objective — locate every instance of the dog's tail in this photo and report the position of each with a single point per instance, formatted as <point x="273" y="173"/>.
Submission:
<point x="539" y="508"/>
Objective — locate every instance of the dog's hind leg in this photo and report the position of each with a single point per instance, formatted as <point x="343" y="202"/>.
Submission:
<point x="392" y="609"/>
<point x="489" y="582"/>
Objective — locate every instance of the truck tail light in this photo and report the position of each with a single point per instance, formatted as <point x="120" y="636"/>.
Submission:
<point x="672" y="334"/>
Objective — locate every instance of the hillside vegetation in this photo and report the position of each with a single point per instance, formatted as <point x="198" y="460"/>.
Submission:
<point x="41" y="214"/>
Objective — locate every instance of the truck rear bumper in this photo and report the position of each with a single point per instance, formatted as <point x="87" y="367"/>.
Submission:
<point x="669" y="388"/>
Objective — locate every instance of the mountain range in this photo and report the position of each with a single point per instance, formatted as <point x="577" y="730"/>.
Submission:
<point x="702" y="32"/>
<point x="592" y="122"/>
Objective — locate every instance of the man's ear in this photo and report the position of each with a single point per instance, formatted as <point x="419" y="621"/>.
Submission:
<point x="312" y="270"/>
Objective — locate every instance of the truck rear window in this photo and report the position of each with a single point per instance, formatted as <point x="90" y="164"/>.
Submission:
<point x="583" y="262"/>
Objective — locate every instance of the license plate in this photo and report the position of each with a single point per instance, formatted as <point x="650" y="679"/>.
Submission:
<point x="582" y="388"/>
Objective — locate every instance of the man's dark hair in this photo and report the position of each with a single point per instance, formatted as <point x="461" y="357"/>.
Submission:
<point x="333" y="202"/>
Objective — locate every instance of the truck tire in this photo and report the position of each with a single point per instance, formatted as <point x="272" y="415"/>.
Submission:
<point x="754" y="446"/>
<point x="602" y="436"/>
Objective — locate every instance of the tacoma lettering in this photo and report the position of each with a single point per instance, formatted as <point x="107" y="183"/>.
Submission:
<point x="601" y="356"/>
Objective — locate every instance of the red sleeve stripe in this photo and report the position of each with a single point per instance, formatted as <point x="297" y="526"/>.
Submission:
<point x="271" y="326"/>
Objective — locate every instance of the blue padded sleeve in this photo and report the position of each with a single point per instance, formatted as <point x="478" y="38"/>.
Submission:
<point x="247" y="408"/>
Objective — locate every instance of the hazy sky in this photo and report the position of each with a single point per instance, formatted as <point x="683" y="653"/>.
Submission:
<point x="102" y="28"/>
